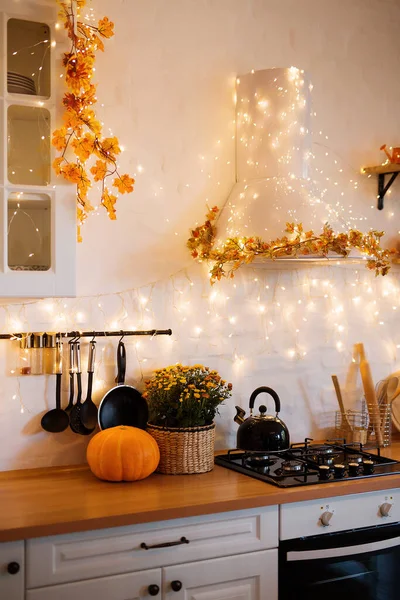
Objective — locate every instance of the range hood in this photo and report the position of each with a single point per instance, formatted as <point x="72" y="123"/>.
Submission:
<point x="273" y="152"/>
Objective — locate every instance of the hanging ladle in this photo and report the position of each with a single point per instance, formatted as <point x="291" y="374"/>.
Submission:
<point x="88" y="408"/>
<point x="56" y="420"/>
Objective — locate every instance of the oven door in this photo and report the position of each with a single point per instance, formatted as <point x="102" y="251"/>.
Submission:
<point x="362" y="564"/>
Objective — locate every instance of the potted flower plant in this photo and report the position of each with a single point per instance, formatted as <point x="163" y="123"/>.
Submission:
<point x="183" y="401"/>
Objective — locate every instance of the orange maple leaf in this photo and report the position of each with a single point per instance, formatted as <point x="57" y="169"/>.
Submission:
<point x="72" y="172"/>
<point x="99" y="170"/>
<point x="98" y="42"/>
<point x="88" y="117"/>
<point x="72" y="121"/>
<point x="84" y="184"/>
<point x="108" y="201"/>
<point x="124" y="184"/>
<point x="59" y="140"/>
<point x="83" y="147"/>
<point x="111" y="146"/>
<point x="106" y="27"/>
<point x="57" y="165"/>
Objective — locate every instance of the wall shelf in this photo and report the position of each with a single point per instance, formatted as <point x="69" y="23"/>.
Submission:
<point x="390" y="169"/>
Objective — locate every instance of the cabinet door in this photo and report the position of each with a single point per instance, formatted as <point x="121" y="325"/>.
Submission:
<point x="251" y="576"/>
<point x="12" y="575"/>
<point x="131" y="586"/>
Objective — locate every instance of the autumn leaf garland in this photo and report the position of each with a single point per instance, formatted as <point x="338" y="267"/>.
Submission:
<point x="80" y="138"/>
<point x="238" y="251"/>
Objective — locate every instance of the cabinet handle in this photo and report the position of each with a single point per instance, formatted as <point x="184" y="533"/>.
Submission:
<point x="13" y="568"/>
<point x="176" y="585"/>
<point x="183" y="540"/>
<point x="153" y="589"/>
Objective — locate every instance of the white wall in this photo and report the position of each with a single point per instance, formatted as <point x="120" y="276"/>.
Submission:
<point x="166" y="81"/>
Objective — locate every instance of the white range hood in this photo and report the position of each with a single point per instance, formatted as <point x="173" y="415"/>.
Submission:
<point x="273" y="152"/>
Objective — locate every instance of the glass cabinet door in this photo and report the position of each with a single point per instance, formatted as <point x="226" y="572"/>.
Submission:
<point x="29" y="232"/>
<point x="28" y="137"/>
<point x="28" y="58"/>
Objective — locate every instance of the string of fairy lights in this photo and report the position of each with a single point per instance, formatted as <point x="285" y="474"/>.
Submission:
<point x="262" y="313"/>
<point x="291" y="314"/>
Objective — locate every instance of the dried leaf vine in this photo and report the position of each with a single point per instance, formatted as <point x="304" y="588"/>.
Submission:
<point x="80" y="139"/>
<point x="238" y="251"/>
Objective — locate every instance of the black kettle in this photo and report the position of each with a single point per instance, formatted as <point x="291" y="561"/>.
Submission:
<point x="261" y="432"/>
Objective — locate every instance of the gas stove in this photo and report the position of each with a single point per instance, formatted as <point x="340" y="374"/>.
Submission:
<point x="307" y="463"/>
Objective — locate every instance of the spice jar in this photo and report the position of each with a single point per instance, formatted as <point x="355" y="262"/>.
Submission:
<point x="50" y="353"/>
<point x="25" y="355"/>
<point x="37" y="354"/>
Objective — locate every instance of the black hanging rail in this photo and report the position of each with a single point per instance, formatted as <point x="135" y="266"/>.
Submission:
<point x="92" y="334"/>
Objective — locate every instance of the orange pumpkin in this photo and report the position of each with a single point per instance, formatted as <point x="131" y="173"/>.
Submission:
<point x="122" y="454"/>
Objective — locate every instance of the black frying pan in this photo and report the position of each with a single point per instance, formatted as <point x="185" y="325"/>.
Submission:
<point x="123" y="404"/>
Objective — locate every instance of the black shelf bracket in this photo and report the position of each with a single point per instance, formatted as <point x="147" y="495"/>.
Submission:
<point x="383" y="188"/>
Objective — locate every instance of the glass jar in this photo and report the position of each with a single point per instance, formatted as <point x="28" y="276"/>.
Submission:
<point x="37" y="354"/>
<point x="25" y="355"/>
<point x="50" y="353"/>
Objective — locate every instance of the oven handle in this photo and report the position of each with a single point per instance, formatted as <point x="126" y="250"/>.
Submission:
<point x="344" y="551"/>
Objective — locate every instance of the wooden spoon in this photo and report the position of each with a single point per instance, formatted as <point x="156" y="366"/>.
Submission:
<point x="345" y="419"/>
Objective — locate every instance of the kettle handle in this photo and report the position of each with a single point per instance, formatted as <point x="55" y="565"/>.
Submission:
<point x="269" y="391"/>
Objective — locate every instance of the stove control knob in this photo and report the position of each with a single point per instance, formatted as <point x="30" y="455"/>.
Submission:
<point x="384" y="509"/>
<point x="354" y="469"/>
<point x="339" y="470"/>
<point x="325" y="518"/>
<point x="368" y="467"/>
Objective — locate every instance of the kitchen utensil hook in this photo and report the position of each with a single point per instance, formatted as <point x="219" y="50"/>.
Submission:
<point x="93" y="338"/>
<point x="122" y="336"/>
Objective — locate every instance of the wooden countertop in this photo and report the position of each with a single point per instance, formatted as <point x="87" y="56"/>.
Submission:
<point x="41" y="502"/>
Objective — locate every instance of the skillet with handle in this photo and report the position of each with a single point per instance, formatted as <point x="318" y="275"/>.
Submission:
<point x="123" y="404"/>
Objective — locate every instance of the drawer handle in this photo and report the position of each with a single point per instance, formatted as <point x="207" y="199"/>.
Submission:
<point x="183" y="540"/>
<point x="13" y="568"/>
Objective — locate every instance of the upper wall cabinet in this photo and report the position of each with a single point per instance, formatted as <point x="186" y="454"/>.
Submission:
<point x="37" y="210"/>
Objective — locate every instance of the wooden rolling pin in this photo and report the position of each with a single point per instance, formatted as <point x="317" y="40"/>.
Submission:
<point x="369" y="393"/>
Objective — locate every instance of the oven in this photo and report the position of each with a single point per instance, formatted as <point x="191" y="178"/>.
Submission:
<point x="351" y="565"/>
<point x="326" y="558"/>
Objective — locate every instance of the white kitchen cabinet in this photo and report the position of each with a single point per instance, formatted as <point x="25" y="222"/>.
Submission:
<point x="244" y="577"/>
<point x="12" y="571"/>
<point x="226" y="556"/>
<point x="37" y="213"/>
<point x="131" y="586"/>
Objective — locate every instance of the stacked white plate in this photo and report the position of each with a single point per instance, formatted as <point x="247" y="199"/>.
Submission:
<point x="20" y="84"/>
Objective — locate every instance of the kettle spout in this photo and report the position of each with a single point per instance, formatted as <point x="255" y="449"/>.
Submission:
<point x="239" y="417"/>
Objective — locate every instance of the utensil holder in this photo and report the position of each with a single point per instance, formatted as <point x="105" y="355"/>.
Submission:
<point x="360" y="425"/>
<point x="356" y="428"/>
<point x="383" y="414"/>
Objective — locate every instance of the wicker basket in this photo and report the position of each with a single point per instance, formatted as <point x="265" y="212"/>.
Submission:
<point x="186" y="450"/>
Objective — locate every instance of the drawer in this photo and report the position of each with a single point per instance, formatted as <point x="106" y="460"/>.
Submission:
<point x="347" y="512"/>
<point x="78" y="556"/>
<point x="131" y="586"/>
<point x="12" y="586"/>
